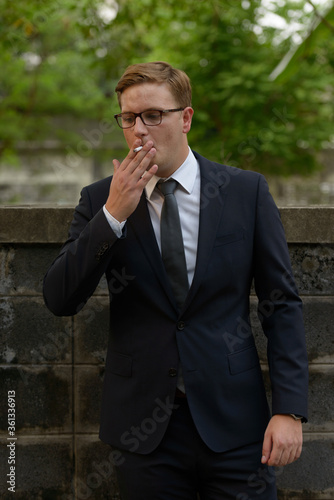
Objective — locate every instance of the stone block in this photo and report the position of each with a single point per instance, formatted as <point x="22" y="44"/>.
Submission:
<point x="91" y="328"/>
<point x="95" y="469"/>
<point x="43" y="398"/>
<point x="321" y="399"/>
<point x="22" y="268"/>
<point x="7" y="270"/>
<point x="34" y="224"/>
<point x="308" y="224"/>
<point x="43" y="469"/>
<point x="88" y="396"/>
<point x="319" y="321"/>
<point x="318" y="315"/>
<point x="31" y="334"/>
<point x="313" y="268"/>
<point x="50" y="224"/>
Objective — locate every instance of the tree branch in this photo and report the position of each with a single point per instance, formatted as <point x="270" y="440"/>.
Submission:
<point x="323" y="20"/>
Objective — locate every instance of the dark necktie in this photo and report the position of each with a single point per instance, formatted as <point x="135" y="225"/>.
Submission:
<point x="172" y="249"/>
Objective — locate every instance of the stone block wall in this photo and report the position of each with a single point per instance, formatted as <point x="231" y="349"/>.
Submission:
<point x="56" y="365"/>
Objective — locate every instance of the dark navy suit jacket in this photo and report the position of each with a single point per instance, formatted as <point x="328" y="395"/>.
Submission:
<point x="241" y="242"/>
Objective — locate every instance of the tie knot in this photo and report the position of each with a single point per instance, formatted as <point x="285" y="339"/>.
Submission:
<point x="167" y="187"/>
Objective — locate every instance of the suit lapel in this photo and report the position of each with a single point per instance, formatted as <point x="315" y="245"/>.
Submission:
<point x="212" y="203"/>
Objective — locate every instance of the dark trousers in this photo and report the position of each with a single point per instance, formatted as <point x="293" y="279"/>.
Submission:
<point x="184" y="468"/>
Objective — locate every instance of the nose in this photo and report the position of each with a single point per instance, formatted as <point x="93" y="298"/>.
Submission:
<point x="139" y="127"/>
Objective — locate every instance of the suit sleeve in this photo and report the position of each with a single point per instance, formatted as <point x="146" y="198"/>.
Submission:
<point x="279" y="309"/>
<point x="84" y="258"/>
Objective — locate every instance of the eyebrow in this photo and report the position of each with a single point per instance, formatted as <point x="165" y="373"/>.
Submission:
<point x="148" y="109"/>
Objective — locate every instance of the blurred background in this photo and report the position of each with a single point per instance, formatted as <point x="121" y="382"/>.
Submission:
<point x="262" y="73"/>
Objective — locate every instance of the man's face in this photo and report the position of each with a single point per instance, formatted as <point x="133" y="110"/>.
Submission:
<point x="170" y="137"/>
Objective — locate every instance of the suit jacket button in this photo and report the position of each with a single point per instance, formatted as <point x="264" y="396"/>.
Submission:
<point x="181" y="325"/>
<point x="172" y="372"/>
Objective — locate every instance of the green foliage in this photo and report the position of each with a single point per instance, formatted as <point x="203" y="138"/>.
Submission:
<point x="63" y="58"/>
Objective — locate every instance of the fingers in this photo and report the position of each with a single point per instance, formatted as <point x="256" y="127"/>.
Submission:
<point x="138" y="161"/>
<point x="148" y="174"/>
<point x="266" y="449"/>
<point x="140" y="165"/>
<point x="285" y="453"/>
<point x="116" y="164"/>
<point x="280" y="457"/>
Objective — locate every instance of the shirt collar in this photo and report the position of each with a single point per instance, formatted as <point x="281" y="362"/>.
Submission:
<point x="185" y="175"/>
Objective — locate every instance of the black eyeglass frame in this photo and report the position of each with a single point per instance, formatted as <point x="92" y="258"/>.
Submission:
<point x="161" y="111"/>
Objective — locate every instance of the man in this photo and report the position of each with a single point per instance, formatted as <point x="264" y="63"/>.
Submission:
<point x="184" y="401"/>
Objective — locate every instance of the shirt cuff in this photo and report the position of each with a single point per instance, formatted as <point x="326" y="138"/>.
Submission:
<point x="116" y="226"/>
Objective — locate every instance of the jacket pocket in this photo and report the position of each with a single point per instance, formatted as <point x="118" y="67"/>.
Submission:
<point x="228" y="238"/>
<point x="120" y="364"/>
<point x="244" y="360"/>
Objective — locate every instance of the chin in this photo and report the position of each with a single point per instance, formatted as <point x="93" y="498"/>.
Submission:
<point x="163" y="170"/>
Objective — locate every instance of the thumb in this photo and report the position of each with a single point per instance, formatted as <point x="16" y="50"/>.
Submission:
<point x="266" y="448"/>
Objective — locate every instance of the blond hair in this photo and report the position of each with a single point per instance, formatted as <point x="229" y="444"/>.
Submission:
<point x="157" y="72"/>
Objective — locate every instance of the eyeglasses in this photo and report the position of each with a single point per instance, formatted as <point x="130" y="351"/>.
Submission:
<point x="150" y="118"/>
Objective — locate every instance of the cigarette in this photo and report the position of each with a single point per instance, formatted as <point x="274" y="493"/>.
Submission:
<point x="137" y="149"/>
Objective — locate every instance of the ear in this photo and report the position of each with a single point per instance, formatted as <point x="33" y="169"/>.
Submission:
<point x="187" y="118"/>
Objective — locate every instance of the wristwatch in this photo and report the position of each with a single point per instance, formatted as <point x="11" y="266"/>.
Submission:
<point x="296" y="417"/>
